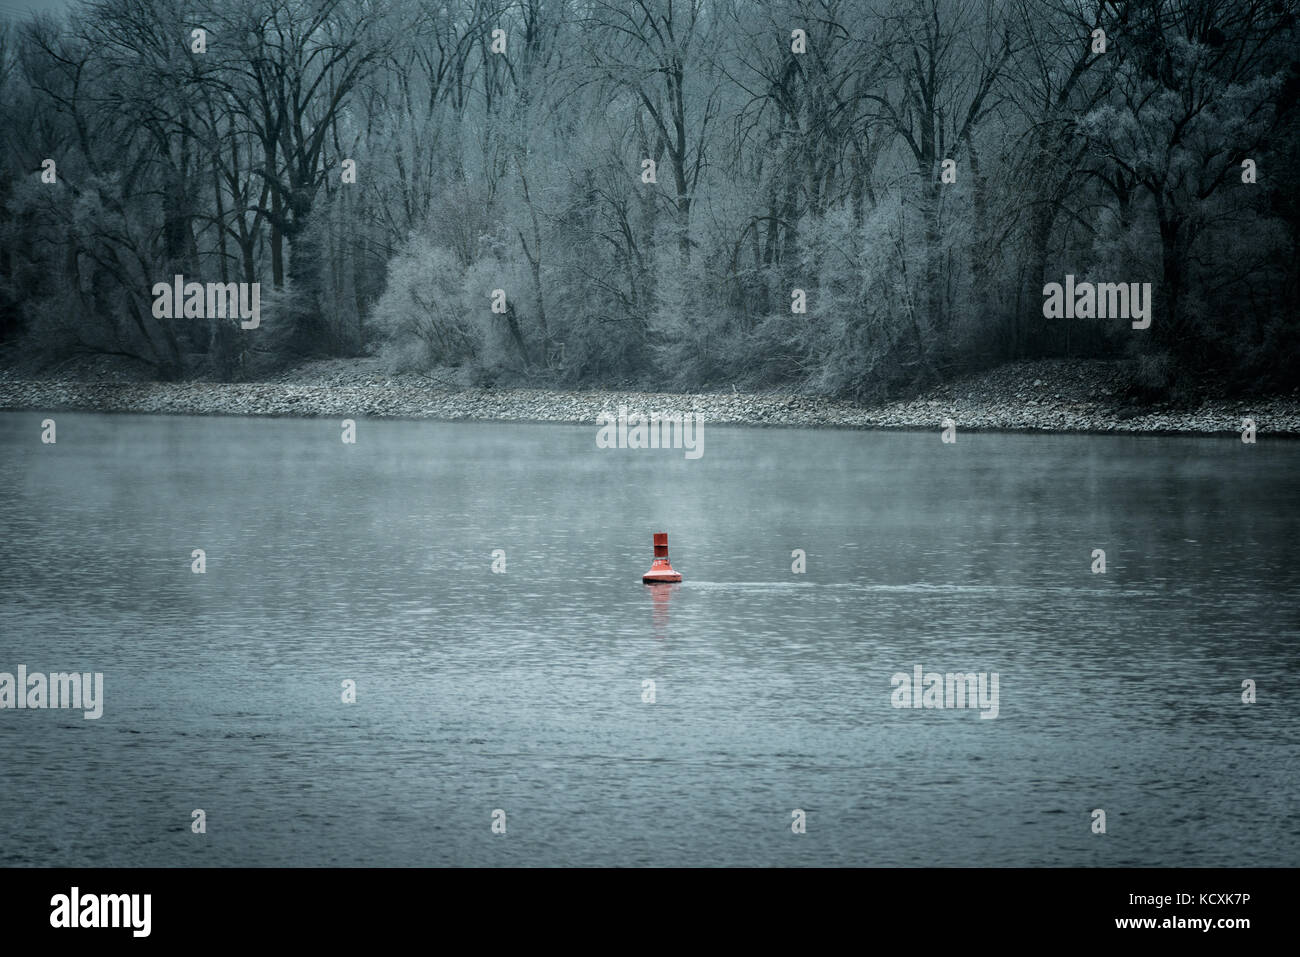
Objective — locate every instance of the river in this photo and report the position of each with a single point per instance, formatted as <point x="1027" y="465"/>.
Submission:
<point x="526" y="690"/>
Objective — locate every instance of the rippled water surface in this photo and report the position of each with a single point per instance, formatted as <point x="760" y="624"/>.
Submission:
<point x="523" y="691"/>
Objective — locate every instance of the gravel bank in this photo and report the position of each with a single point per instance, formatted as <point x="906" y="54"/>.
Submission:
<point x="1046" y="396"/>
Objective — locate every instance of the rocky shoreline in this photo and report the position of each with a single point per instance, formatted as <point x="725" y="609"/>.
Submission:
<point x="1043" y="396"/>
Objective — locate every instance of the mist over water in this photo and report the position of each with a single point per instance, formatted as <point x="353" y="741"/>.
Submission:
<point x="522" y="691"/>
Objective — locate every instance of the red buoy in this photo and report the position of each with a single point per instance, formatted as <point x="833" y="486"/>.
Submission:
<point x="661" y="572"/>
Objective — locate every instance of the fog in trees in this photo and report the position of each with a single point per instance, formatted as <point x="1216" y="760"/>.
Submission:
<point x="841" y="196"/>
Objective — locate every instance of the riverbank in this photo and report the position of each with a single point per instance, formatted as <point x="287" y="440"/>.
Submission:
<point x="1040" y="396"/>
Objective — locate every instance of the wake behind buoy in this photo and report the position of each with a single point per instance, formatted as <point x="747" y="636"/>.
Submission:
<point x="661" y="572"/>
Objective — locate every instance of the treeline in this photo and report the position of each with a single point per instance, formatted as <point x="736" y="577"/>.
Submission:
<point x="581" y="191"/>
